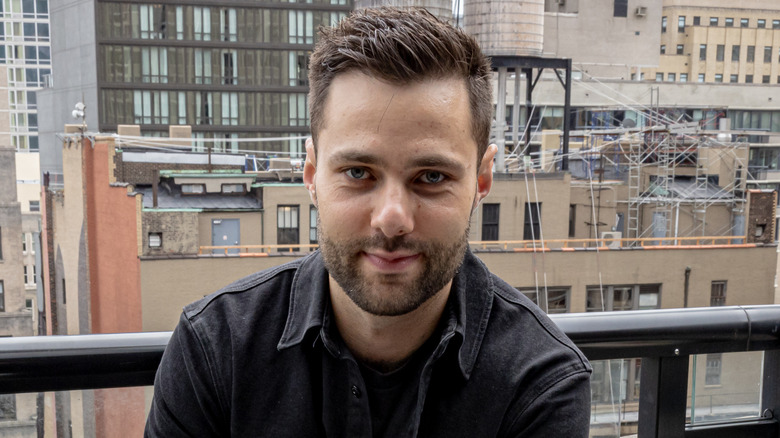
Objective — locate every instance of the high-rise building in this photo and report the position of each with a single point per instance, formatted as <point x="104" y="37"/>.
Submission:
<point x="234" y="71"/>
<point x="25" y="50"/>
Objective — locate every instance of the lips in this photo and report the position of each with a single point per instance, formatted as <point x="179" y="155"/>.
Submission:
<point x="391" y="263"/>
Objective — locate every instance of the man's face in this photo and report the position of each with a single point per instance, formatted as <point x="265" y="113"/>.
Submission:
<point x="396" y="179"/>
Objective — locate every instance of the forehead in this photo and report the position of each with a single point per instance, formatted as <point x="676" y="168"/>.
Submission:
<point x="362" y="111"/>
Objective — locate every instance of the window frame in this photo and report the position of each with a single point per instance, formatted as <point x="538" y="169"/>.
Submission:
<point x="491" y="228"/>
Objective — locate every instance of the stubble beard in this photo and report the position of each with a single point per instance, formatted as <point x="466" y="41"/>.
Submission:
<point x="440" y="262"/>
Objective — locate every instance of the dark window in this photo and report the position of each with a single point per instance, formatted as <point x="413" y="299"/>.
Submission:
<point x="621" y="8"/>
<point x="671" y="77"/>
<point x="683" y="78"/>
<point x="532" y="225"/>
<point x="681" y="24"/>
<point x="765" y="79"/>
<point x="720" y="54"/>
<point x="2" y="297"/>
<point x="718" y="293"/>
<point x="734" y="79"/>
<point x="775" y="24"/>
<point x="702" y="52"/>
<point x="735" y="53"/>
<point x="729" y="22"/>
<point x="287" y="225"/>
<point x="761" y="23"/>
<point x="751" y="53"/>
<point x="490" y="221"/>
<point x="680" y="49"/>
<point x="696" y="21"/>
<point x="663" y="49"/>
<point x="7" y="406"/>
<point x="767" y="54"/>
<point x="313" y="225"/>
<point x="744" y="22"/>
<point x="718" y="77"/>
<point x="624" y="297"/>
<point x="663" y="24"/>
<point x="748" y="79"/>
<point x="572" y="220"/>
<point x="35" y="205"/>
<point x="64" y="293"/>
<point x="713" y="21"/>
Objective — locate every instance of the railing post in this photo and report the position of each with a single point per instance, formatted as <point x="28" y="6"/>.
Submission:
<point x="662" y="396"/>
<point x="770" y="385"/>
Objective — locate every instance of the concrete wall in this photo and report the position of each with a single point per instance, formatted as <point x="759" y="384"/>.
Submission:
<point x="180" y="232"/>
<point x="28" y="179"/>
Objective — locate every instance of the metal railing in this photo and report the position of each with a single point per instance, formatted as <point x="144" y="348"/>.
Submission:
<point x="689" y="242"/>
<point x="664" y="339"/>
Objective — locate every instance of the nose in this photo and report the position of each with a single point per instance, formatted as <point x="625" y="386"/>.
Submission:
<point x="393" y="212"/>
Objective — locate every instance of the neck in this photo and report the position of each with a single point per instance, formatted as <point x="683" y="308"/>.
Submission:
<point x="385" y="343"/>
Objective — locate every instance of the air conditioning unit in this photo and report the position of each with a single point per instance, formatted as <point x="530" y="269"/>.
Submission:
<point x="641" y="11"/>
<point x="611" y="239"/>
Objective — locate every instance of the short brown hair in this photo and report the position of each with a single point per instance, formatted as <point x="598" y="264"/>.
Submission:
<point x="401" y="46"/>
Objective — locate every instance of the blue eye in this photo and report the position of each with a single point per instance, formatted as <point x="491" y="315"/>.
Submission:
<point x="432" y="177"/>
<point x="357" y="173"/>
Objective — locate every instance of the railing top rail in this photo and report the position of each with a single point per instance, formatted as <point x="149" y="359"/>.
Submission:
<point x="54" y="363"/>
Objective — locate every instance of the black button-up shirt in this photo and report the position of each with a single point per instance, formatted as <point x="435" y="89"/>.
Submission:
<point x="262" y="357"/>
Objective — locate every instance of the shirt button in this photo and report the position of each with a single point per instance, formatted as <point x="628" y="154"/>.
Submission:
<point x="356" y="391"/>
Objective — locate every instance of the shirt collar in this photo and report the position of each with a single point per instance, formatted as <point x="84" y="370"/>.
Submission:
<point x="471" y="300"/>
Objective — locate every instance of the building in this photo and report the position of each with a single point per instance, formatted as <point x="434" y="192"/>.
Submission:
<point x="26" y="54"/>
<point x="234" y="71"/>
<point x="718" y="41"/>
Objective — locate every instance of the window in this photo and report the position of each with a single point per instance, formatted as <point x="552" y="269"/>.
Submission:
<point x="696" y="21"/>
<point x="718" y="293"/>
<point x="557" y="297"/>
<point x="29" y="275"/>
<point x="152" y="21"/>
<point x="203" y="108"/>
<point x="572" y="220"/>
<point x="24" y="243"/>
<point x="751" y="53"/>
<point x="490" y="214"/>
<point x="683" y="77"/>
<point x="313" y="225"/>
<point x="663" y="24"/>
<point x="1" y="243"/>
<point x="287" y="225"/>
<point x="193" y="189"/>
<point x="761" y="23"/>
<point x="663" y="49"/>
<point x="680" y="48"/>
<point x="713" y="21"/>
<point x="767" y="54"/>
<point x="28" y="303"/>
<point x="702" y="52"/>
<point x="2" y="297"/>
<point x="714" y="362"/>
<point x="155" y="240"/>
<point x="227" y="19"/>
<point x="532" y="223"/>
<point x="150" y="107"/>
<point x="748" y="79"/>
<point x="230" y="108"/>
<point x="233" y="189"/>
<point x="659" y="77"/>
<point x="734" y="79"/>
<point x="765" y="79"/>
<point x="229" y="71"/>
<point x="626" y="297"/>
<point x="720" y="54"/>
<point x="202" y="66"/>
<point x="35" y="205"/>
<point x="729" y="22"/>
<point x="775" y="24"/>
<point x="154" y="65"/>
<point x="681" y="24"/>
<point x="620" y="8"/>
<point x="7" y="406"/>
<point x="744" y="22"/>
<point x="201" y="23"/>
<point x="671" y="77"/>
<point x="735" y="53"/>
<point x="718" y="77"/>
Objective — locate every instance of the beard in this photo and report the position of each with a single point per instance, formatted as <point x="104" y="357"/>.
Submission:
<point x="391" y="294"/>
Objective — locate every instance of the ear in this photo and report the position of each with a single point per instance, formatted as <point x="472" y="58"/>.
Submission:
<point x="485" y="175"/>
<point x="310" y="170"/>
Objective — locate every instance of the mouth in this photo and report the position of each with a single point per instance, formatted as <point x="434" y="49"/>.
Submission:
<point x="391" y="262"/>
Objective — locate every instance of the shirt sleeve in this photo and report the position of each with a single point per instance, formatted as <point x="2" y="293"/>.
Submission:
<point x="562" y="410"/>
<point x="186" y="400"/>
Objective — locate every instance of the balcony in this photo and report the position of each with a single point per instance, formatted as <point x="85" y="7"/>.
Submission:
<point x="666" y="342"/>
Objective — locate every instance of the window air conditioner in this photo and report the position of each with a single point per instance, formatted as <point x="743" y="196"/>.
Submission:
<point x="641" y="11"/>
<point x="611" y="239"/>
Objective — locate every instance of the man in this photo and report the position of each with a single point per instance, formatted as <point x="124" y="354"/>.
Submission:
<point x="394" y="328"/>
